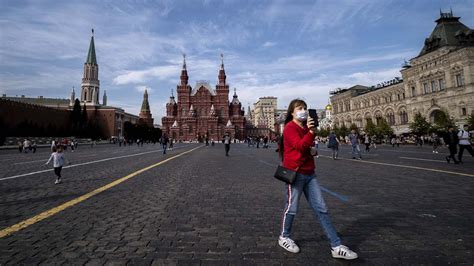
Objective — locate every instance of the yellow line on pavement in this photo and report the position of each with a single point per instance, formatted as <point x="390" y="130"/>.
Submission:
<point x="403" y="166"/>
<point x="21" y="225"/>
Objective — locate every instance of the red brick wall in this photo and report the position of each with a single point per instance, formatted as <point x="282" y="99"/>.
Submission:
<point x="13" y="113"/>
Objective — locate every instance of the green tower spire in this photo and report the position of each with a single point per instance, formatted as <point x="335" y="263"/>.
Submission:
<point x="145" y="105"/>
<point x="91" y="55"/>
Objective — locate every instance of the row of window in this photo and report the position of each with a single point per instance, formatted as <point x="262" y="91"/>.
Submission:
<point x="439" y="84"/>
<point x="364" y="104"/>
<point x="428" y="87"/>
<point x="390" y="118"/>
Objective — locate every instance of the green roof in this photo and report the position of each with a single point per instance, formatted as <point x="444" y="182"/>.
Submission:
<point x="91" y="55"/>
<point x="448" y="32"/>
<point x="145" y="104"/>
<point x="39" y="100"/>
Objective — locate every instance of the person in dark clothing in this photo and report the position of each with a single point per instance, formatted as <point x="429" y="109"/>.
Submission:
<point x="452" y="140"/>
<point x="164" y="142"/>
<point x="226" y="140"/>
<point x="464" y="142"/>
<point x="333" y="144"/>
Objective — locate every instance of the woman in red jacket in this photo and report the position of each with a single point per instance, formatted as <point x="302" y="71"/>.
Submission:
<point x="296" y="152"/>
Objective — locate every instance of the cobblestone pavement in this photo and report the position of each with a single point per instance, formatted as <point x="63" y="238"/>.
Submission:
<point x="396" y="206"/>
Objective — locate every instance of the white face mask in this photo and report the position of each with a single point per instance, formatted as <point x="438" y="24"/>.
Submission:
<point x="301" y="115"/>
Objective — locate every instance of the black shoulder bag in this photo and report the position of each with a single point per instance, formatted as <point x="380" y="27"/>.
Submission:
<point x="286" y="175"/>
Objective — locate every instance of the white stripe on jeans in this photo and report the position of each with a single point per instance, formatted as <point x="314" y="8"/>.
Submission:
<point x="287" y="209"/>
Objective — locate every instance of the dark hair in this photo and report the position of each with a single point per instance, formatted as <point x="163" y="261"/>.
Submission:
<point x="289" y="117"/>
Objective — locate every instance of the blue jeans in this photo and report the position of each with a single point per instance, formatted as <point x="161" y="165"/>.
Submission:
<point x="164" y="148"/>
<point x="356" y="150"/>
<point x="310" y="187"/>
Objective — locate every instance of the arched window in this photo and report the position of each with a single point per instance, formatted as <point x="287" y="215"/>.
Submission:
<point x="403" y="117"/>
<point x="391" y="119"/>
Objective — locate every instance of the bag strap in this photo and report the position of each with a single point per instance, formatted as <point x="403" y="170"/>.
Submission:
<point x="301" y="165"/>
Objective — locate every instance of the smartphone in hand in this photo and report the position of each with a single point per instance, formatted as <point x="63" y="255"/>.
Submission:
<point x="314" y="115"/>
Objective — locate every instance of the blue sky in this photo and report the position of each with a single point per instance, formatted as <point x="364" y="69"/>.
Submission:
<point x="286" y="49"/>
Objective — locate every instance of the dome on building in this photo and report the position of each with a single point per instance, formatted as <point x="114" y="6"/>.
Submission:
<point x="328" y="107"/>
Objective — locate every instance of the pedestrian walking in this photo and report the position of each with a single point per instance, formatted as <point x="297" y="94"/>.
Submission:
<point x="226" y="140"/>
<point x="58" y="162"/>
<point x="34" y="147"/>
<point x="265" y="142"/>
<point x="367" y="143"/>
<point x="464" y="142"/>
<point x="393" y="141"/>
<point x="20" y="146"/>
<point x="295" y="147"/>
<point x="354" y="139"/>
<point x="164" y="142"/>
<point x="372" y="141"/>
<point x="171" y="144"/>
<point x="26" y="146"/>
<point x="333" y="144"/>
<point x="436" y="142"/>
<point x="53" y="145"/>
<point x="452" y="140"/>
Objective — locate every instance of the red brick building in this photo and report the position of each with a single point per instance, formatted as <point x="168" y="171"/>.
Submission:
<point x="202" y="111"/>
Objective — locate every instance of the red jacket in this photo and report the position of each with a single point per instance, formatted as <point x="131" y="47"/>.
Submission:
<point x="297" y="142"/>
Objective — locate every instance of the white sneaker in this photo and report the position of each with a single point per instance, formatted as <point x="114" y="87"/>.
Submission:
<point x="288" y="244"/>
<point x="57" y="181"/>
<point x="343" y="252"/>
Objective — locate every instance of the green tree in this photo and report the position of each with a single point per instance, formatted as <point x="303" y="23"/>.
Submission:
<point x="336" y="130"/>
<point x="84" y="115"/>
<point x="419" y="126"/>
<point x="76" y="115"/>
<point x="323" y="132"/>
<point x="383" y="128"/>
<point x="370" y="128"/>
<point x="470" y="121"/>
<point x="354" y="127"/>
<point x="76" y="118"/>
<point x="442" y="120"/>
<point x="343" y="131"/>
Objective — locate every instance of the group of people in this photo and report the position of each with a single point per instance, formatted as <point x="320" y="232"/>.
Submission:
<point x="166" y="142"/>
<point x="64" y="144"/>
<point x="258" y="141"/>
<point x="27" y="146"/>
<point x="453" y="139"/>
<point x="354" y="140"/>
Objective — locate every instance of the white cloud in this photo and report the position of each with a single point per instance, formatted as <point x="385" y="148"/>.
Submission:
<point x="269" y="44"/>
<point x="374" y="77"/>
<point x="140" y="76"/>
<point x="142" y="88"/>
